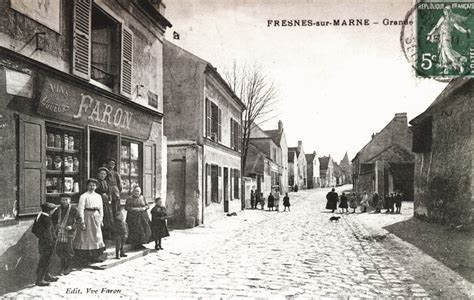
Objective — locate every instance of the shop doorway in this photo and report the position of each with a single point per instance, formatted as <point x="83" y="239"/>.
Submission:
<point x="102" y="146"/>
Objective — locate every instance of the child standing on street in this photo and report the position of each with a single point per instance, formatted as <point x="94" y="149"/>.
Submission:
<point x="44" y="230"/>
<point x="286" y="202"/>
<point x="158" y="223"/>
<point x="353" y="202"/>
<point x="120" y="233"/>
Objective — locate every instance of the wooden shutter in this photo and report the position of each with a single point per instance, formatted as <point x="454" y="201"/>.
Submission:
<point x="231" y="183"/>
<point x="126" y="60"/>
<point x="32" y="165"/>
<point x="219" y="127"/>
<point x="81" y="50"/>
<point x="148" y="171"/>
<point x="232" y="142"/>
<point x="208" y="118"/>
<point x="239" y="137"/>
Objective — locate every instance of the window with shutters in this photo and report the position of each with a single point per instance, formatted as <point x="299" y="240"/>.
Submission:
<point x="213" y="121"/>
<point x="236" y="183"/>
<point x="104" y="45"/>
<point x="234" y="135"/>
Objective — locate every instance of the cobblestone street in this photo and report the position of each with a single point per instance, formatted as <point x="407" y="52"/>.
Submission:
<point x="255" y="254"/>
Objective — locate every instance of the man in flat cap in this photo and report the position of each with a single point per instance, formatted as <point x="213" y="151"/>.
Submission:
<point x="44" y="230"/>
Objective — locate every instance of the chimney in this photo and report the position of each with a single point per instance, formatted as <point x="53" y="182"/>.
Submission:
<point x="300" y="145"/>
<point x="280" y="125"/>
<point x="402" y="117"/>
<point x="373" y="135"/>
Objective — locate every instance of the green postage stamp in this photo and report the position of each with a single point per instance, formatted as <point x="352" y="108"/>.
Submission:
<point x="445" y="39"/>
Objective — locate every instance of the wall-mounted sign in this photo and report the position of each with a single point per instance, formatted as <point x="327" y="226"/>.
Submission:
<point x="19" y="84"/>
<point x="47" y="13"/>
<point x="70" y="103"/>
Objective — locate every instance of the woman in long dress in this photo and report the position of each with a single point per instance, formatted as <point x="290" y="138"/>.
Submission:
<point x="139" y="231"/>
<point x="89" y="243"/>
<point x="104" y="192"/>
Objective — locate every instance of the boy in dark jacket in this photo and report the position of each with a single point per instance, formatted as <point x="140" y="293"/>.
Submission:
<point x="66" y="220"/>
<point x="44" y="230"/>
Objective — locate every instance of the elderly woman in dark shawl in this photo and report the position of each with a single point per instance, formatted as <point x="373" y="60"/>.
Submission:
<point x="104" y="191"/>
<point x="332" y="199"/>
<point x="139" y="231"/>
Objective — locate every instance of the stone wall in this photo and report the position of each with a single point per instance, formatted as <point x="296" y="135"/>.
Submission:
<point x="444" y="176"/>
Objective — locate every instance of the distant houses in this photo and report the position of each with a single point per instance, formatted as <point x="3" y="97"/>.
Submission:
<point x="326" y="171"/>
<point x="313" y="176"/>
<point x="443" y="143"/>
<point x="386" y="163"/>
<point x="299" y="162"/>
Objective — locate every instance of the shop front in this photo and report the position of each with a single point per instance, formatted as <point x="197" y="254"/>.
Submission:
<point x="65" y="130"/>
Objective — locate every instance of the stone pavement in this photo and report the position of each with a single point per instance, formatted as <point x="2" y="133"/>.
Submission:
<point x="258" y="254"/>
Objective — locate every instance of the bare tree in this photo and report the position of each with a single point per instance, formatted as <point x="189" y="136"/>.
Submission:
<point x="258" y="93"/>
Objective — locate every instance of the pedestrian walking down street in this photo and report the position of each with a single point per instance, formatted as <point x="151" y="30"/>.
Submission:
<point x="364" y="203"/>
<point x="387" y="203"/>
<point x="353" y="202"/>
<point x="286" y="202"/>
<point x="262" y="200"/>
<point x="343" y="203"/>
<point x="270" y="201"/>
<point x="139" y="231"/>
<point x="252" y="200"/>
<point x="44" y="230"/>
<point x="398" y="202"/>
<point x="276" y="202"/>
<point x="158" y="223"/>
<point x="89" y="243"/>
<point x="120" y="233"/>
<point x="104" y="192"/>
<point x="391" y="204"/>
<point x="66" y="220"/>
<point x="375" y="201"/>
<point x="332" y="199"/>
<point x="380" y="204"/>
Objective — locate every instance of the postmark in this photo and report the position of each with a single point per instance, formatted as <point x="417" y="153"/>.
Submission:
<point x="444" y="39"/>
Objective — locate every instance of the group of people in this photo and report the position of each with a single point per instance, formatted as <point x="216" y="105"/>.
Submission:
<point x="80" y="232"/>
<point x="273" y="200"/>
<point x="391" y="202"/>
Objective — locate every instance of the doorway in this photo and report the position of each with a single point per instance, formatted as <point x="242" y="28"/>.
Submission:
<point x="102" y="146"/>
<point x="214" y="183"/>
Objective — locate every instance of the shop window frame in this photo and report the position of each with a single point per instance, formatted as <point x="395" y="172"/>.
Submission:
<point x="139" y="176"/>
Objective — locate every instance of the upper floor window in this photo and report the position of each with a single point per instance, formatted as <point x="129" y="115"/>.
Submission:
<point x="235" y="135"/>
<point x="213" y="121"/>
<point x="102" y="48"/>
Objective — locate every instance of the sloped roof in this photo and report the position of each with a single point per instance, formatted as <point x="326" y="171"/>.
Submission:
<point x="310" y="157"/>
<point x="323" y="162"/>
<point x="393" y="153"/>
<point x="444" y="98"/>
<point x="275" y="134"/>
<point x="294" y="149"/>
<point x="291" y="156"/>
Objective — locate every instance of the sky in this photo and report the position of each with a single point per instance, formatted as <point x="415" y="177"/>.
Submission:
<point x="336" y="85"/>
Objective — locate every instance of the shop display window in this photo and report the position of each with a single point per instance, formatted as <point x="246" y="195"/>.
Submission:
<point x="63" y="162"/>
<point x="130" y="166"/>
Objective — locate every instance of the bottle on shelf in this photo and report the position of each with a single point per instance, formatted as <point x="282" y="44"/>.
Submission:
<point x="71" y="143"/>
<point x="57" y="141"/>
<point x="57" y="163"/>
<point x="49" y="162"/>
<point x="66" y="142"/>
<point x="70" y="163"/>
<point x="50" y="140"/>
<point x="75" y="164"/>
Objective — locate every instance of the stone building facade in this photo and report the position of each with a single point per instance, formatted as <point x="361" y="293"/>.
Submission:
<point x="301" y="175"/>
<point x="313" y="170"/>
<point x="443" y="142"/>
<point x="279" y="138"/>
<point x="326" y="171"/>
<point x="386" y="163"/>
<point x="80" y="82"/>
<point x="203" y="127"/>
<point x="346" y="169"/>
<point x="292" y="169"/>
